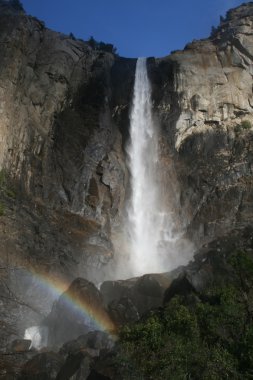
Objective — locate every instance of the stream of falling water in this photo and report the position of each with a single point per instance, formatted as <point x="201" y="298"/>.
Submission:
<point x="148" y="225"/>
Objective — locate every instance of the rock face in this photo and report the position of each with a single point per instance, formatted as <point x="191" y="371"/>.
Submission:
<point x="58" y="142"/>
<point x="62" y="165"/>
<point x="203" y="98"/>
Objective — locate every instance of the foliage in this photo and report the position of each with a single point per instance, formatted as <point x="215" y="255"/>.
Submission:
<point x="2" y="178"/>
<point x="2" y="209"/>
<point x="222" y="19"/>
<point x="5" y="187"/>
<point x="245" y="124"/>
<point x="17" y="5"/>
<point x="195" y="337"/>
<point x="71" y="35"/>
<point x="213" y="31"/>
<point x="109" y="48"/>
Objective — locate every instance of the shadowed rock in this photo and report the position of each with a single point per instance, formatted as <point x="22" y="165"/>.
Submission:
<point x="78" y="310"/>
<point x="20" y="345"/>
<point x="127" y="300"/>
<point x="44" y="366"/>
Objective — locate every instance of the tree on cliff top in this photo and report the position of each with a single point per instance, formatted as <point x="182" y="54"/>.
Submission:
<point x="109" y="48"/>
<point x="17" y="5"/>
<point x="14" y="4"/>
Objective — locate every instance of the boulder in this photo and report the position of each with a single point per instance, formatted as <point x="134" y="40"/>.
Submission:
<point x="44" y="366"/>
<point x="123" y="311"/>
<point x="128" y="300"/>
<point x="80" y="353"/>
<point x="79" y="310"/>
<point x="20" y="345"/>
<point x="90" y="343"/>
<point x="72" y="365"/>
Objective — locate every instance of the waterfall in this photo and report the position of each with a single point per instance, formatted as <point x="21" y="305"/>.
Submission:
<point x="148" y="224"/>
<point x="38" y="336"/>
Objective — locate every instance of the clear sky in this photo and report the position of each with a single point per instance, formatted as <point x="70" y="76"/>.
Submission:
<point x="136" y="27"/>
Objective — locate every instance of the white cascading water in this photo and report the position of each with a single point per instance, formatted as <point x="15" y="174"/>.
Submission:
<point x="38" y="336"/>
<point x="149" y="226"/>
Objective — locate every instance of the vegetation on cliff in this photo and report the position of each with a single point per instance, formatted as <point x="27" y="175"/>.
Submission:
<point x="15" y="4"/>
<point x="199" y="336"/>
<point x="96" y="45"/>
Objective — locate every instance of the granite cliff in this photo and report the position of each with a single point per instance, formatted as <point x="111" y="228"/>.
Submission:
<point x="203" y="98"/>
<point x="64" y="119"/>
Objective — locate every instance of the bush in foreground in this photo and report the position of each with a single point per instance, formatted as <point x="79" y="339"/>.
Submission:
<point x="208" y="336"/>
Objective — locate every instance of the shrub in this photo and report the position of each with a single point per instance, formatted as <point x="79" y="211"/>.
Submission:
<point x="10" y="193"/>
<point x="2" y="209"/>
<point x="246" y="124"/>
<point x="71" y="35"/>
<point x="5" y="187"/>
<point x="195" y="337"/>
<point x="2" y="178"/>
<point x="213" y="31"/>
<point x="16" y="4"/>
<point x="109" y="48"/>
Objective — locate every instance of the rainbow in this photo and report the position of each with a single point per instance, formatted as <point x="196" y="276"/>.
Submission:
<point x="58" y="288"/>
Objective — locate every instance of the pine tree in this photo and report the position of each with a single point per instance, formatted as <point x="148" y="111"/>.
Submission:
<point x="17" y="5"/>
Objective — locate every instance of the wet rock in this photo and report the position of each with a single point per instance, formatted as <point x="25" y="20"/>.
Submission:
<point x="123" y="311"/>
<point x="90" y="343"/>
<point x="84" y="370"/>
<point x="44" y="366"/>
<point x="75" y="345"/>
<point x="79" y="310"/>
<point x="81" y="352"/>
<point x="127" y="300"/>
<point x="11" y="363"/>
<point x="20" y="345"/>
<point x="114" y="290"/>
<point x="100" y="340"/>
<point x="153" y="284"/>
<point x="180" y="286"/>
<point x="72" y="365"/>
<point x="211" y="265"/>
<point x="104" y="367"/>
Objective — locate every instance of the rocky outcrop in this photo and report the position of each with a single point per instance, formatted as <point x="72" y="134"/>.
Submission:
<point x="212" y="265"/>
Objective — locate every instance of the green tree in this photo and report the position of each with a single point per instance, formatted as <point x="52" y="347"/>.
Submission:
<point x="109" y="48"/>
<point x="209" y="336"/>
<point x="17" y="5"/>
<point x="92" y="42"/>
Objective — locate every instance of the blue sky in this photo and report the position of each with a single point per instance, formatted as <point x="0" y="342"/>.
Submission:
<point x="136" y="27"/>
